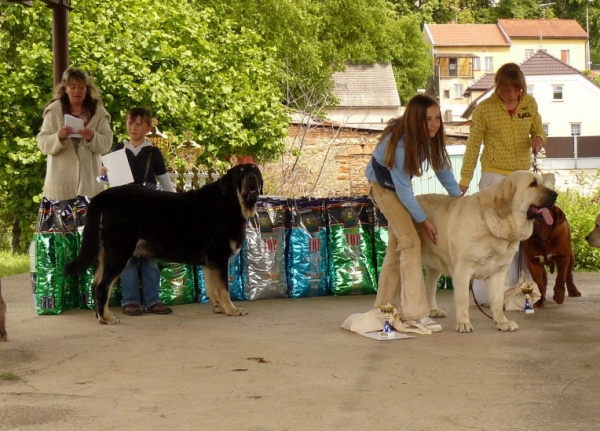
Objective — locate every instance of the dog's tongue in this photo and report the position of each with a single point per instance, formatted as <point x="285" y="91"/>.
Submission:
<point x="547" y="216"/>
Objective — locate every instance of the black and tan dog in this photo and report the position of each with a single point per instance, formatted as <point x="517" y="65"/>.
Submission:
<point x="550" y="245"/>
<point x="3" y="336"/>
<point x="203" y="227"/>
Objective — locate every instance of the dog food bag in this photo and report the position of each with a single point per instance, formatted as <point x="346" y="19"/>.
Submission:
<point x="176" y="283"/>
<point x="236" y="287"/>
<point x="380" y="237"/>
<point x="307" y="262"/>
<point x="351" y="261"/>
<point x="55" y="245"/>
<point x="264" y="269"/>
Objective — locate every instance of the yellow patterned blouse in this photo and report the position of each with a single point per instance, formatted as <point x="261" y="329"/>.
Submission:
<point x="506" y="140"/>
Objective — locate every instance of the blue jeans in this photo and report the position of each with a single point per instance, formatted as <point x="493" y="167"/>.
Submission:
<point x="130" y="281"/>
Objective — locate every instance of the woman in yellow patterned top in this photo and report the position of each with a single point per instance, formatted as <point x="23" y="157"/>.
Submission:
<point x="510" y="128"/>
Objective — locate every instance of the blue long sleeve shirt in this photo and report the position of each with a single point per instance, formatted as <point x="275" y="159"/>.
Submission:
<point x="402" y="180"/>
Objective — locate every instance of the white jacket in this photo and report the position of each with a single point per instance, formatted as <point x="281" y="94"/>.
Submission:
<point x="71" y="173"/>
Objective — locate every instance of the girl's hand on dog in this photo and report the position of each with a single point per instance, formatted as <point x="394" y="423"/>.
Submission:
<point x="430" y="230"/>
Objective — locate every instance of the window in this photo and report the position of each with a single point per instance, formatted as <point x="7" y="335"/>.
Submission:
<point x="565" y="56"/>
<point x="575" y="129"/>
<point x="453" y="66"/>
<point x="546" y="128"/>
<point x="489" y="63"/>
<point x="557" y="92"/>
<point x="528" y="54"/>
<point x="458" y="91"/>
<point x="476" y="63"/>
<point x="446" y="94"/>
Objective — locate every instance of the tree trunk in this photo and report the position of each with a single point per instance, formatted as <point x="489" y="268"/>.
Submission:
<point x="16" y="236"/>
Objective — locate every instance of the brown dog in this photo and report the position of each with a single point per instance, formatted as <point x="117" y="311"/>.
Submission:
<point x="3" y="336"/>
<point x="550" y="245"/>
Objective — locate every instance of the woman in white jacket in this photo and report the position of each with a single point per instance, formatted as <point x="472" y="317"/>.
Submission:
<point x="73" y="162"/>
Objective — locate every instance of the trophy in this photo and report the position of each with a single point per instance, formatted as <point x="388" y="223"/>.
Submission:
<point x="159" y="139"/>
<point x="527" y="288"/>
<point x="215" y="175"/>
<point x="387" y="311"/>
<point x="202" y="175"/>
<point x="189" y="151"/>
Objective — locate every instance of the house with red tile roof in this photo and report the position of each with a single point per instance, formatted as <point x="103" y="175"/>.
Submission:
<point x="465" y="53"/>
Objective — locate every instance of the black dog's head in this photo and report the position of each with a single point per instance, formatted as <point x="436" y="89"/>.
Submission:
<point x="246" y="181"/>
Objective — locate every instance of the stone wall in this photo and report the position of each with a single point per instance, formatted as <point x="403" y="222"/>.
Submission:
<point x="322" y="161"/>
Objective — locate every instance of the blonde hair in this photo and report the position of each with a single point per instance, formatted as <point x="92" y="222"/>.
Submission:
<point x="421" y="151"/>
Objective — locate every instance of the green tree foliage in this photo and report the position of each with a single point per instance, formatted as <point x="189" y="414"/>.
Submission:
<point x="26" y="59"/>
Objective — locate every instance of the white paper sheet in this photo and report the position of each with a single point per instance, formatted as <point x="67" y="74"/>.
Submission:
<point x="394" y="335"/>
<point x="119" y="171"/>
<point x="75" y="123"/>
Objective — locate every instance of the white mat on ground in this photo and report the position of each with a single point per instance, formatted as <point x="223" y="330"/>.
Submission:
<point x="370" y="324"/>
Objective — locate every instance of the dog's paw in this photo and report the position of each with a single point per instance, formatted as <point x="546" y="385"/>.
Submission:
<point x="559" y="296"/>
<point x="464" y="327"/>
<point x="109" y="319"/>
<point x="574" y="293"/>
<point x="237" y="311"/>
<point x="3" y="337"/>
<point x="437" y="312"/>
<point x="218" y="309"/>
<point x="539" y="303"/>
<point x="507" y="326"/>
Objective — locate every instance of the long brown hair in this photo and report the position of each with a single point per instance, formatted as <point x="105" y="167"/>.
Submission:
<point x="421" y="151"/>
<point x="92" y="95"/>
<point x="510" y="75"/>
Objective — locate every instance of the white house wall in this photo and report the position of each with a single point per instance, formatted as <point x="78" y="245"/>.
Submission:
<point x="580" y="104"/>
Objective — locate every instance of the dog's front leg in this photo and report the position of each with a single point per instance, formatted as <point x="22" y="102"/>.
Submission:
<point x="460" y="280"/>
<point x="539" y="276"/>
<point x="217" y="289"/>
<point x="495" y="291"/>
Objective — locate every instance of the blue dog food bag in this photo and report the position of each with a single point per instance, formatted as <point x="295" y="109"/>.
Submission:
<point x="307" y="253"/>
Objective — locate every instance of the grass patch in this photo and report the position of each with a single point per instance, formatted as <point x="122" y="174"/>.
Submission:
<point x="9" y="376"/>
<point x="12" y="264"/>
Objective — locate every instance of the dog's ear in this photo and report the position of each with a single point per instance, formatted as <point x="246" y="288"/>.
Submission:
<point x="229" y="178"/>
<point x="559" y="216"/>
<point x="260" y="178"/>
<point x="496" y="201"/>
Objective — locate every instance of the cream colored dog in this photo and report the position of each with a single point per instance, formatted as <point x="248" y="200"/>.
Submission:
<point x="478" y="236"/>
<point x="593" y="238"/>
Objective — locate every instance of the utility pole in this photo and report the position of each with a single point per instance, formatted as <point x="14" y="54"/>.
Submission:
<point x="587" y="30"/>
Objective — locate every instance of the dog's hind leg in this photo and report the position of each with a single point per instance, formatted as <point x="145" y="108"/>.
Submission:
<point x="217" y="289"/>
<point x="111" y="262"/>
<point x="571" y="288"/>
<point x="431" y="288"/>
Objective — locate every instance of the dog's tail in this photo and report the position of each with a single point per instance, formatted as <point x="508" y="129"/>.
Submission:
<point x="90" y="245"/>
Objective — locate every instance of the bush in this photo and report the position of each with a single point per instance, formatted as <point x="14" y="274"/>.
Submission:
<point x="581" y="208"/>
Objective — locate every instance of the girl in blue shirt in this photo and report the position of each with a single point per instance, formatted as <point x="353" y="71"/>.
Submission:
<point x="408" y="147"/>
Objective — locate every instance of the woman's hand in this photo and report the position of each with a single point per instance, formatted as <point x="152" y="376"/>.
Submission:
<point x="536" y="144"/>
<point x="463" y="190"/>
<point x="86" y="134"/>
<point x="430" y="230"/>
<point x="103" y="170"/>
<point x="64" y="132"/>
